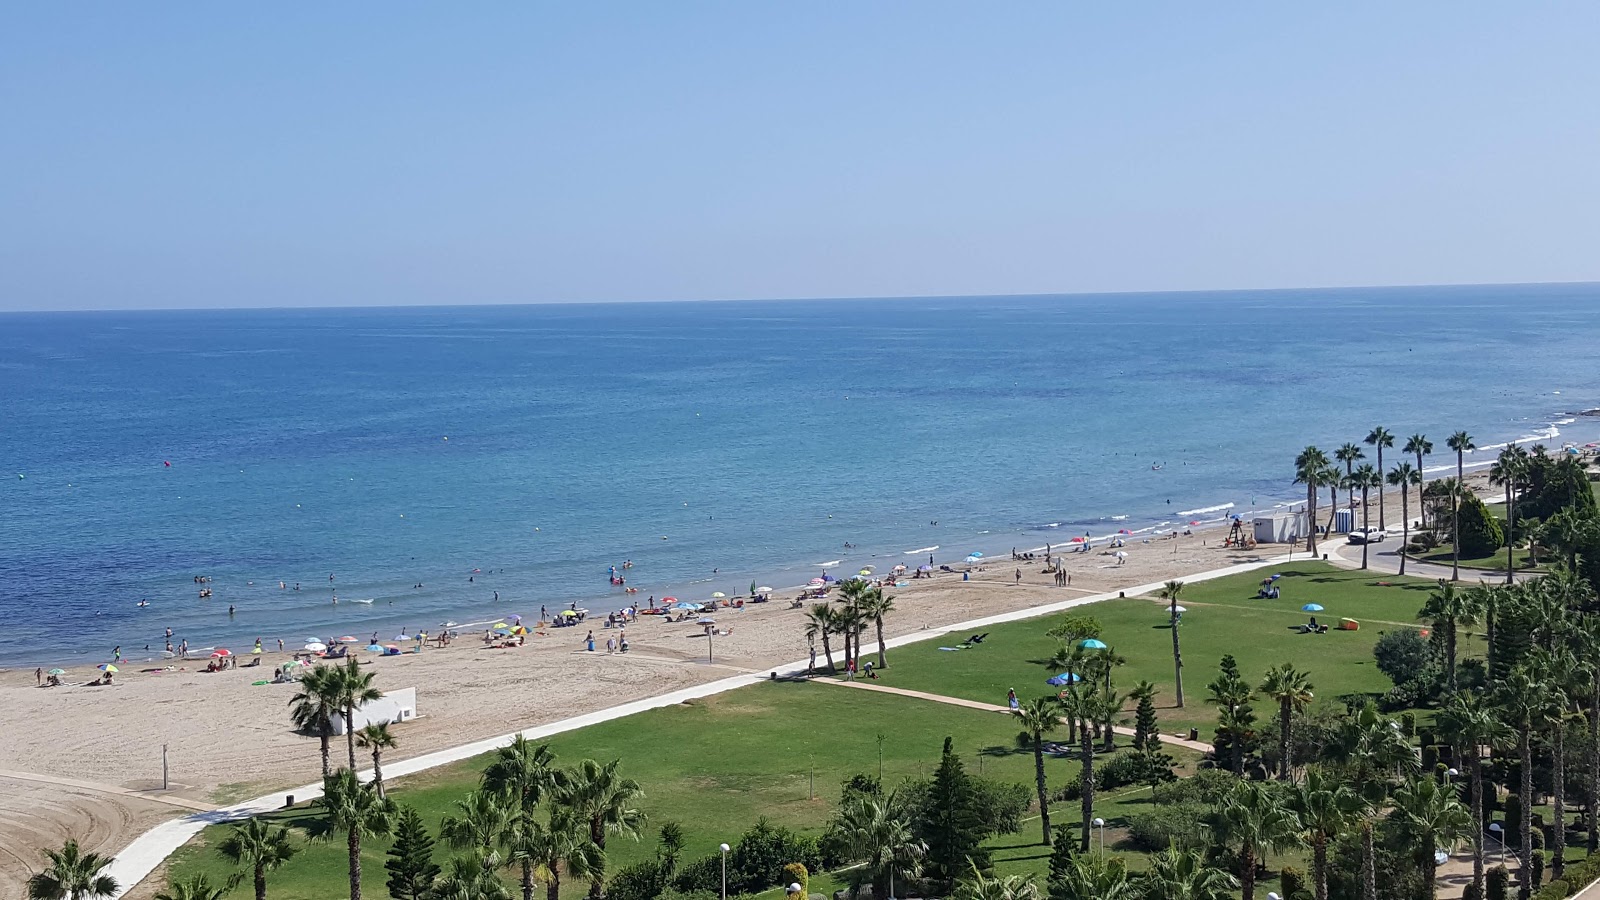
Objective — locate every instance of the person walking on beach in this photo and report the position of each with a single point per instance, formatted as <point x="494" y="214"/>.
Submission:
<point x="280" y="645"/>
<point x="1019" y="577"/>
<point x="38" y="676"/>
<point x="588" y="642"/>
<point x="116" y="653"/>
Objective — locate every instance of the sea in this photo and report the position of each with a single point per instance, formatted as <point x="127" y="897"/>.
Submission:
<point x="417" y="462"/>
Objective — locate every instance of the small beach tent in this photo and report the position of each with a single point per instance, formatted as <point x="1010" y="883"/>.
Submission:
<point x="395" y="706"/>
<point x="1280" y="527"/>
<point x="1346" y="520"/>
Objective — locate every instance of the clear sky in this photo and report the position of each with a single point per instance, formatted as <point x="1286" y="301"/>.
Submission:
<point x="252" y="154"/>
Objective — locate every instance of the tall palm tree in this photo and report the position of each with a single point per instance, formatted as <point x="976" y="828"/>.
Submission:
<point x="1526" y="706"/>
<point x="1587" y="642"/>
<point x="311" y="708"/>
<point x="1365" y="478"/>
<point x="1085" y="705"/>
<point x="1419" y="445"/>
<point x="522" y="772"/>
<point x="1253" y="818"/>
<point x="1183" y="875"/>
<point x="1349" y="454"/>
<point x="1510" y="469"/>
<point x="1169" y="592"/>
<point x="1379" y="438"/>
<point x="197" y="887"/>
<point x="1403" y="476"/>
<point x="599" y="797"/>
<point x="353" y="808"/>
<point x="1310" y="468"/>
<point x="72" y="875"/>
<point x="1461" y="443"/>
<point x="876" y="607"/>
<point x="1326" y="808"/>
<point x="1559" y="670"/>
<point x="355" y="688"/>
<point x="562" y="848"/>
<point x="1470" y="724"/>
<point x="878" y="833"/>
<point x="1292" y="689"/>
<point x="1428" y="814"/>
<point x="821" y="625"/>
<point x="1449" y="609"/>
<point x="376" y="738"/>
<point x="1039" y="717"/>
<point x="481" y="823"/>
<point x="259" y="847"/>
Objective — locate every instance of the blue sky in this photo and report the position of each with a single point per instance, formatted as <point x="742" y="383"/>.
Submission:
<point x="197" y="155"/>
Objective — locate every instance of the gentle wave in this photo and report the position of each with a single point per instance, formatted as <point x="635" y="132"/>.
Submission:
<point x="1205" y="509"/>
<point x="922" y="549"/>
<point x="827" y="564"/>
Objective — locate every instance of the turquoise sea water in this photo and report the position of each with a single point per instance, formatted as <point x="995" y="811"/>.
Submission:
<point x="754" y="439"/>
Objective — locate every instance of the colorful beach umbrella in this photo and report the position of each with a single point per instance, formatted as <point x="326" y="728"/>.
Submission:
<point x="1311" y="607"/>
<point x="347" y="639"/>
<point x="718" y="595"/>
<point x="1063" y="679"/>
<point x="1093" y="644"/>
<point x="56" y="672"/>
<point x="107" y="667"/>
<point x="402" y="637"/>
<point x="374" y="648"/>
<point x="316" y="646"/>
<point x="666" y="600"/>
<point x="221" y="651"/>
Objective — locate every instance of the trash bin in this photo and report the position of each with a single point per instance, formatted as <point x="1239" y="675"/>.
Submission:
<point x="1194" y="734"/>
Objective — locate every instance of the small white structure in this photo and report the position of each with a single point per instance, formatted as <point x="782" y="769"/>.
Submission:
<point x="1280" y="527"/>
<point x="392" y="707"/>
<point x="1346" y="520"/>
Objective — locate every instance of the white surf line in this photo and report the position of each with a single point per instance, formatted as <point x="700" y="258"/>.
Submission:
<point x="150" y="849"/>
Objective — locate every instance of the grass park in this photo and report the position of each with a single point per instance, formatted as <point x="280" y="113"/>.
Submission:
<point x="782" y="750"/>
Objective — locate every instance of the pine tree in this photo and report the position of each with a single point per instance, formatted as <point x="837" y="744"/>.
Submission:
<point x="410" y="865"/>
<point x="1144" y="717"/>
<point x="954" y="829"/>
<point x="1062" y="852"/>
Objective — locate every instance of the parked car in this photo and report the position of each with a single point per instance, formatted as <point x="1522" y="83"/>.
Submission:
<point x="1369" y="536"/>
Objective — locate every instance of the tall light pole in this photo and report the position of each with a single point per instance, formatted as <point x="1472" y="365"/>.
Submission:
<point x="1101" y="824"/>
<point x="724" y="872"/>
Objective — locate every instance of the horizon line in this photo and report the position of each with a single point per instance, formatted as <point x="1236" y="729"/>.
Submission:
<point x="820" y="299"/>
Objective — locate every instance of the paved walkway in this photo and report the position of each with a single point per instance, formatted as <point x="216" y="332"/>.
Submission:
<point x="152" y="796"/>
<point x="1175" y="741"/>
<point x="141" y="857"/>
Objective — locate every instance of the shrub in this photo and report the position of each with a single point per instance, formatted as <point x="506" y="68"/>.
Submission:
<point x="701" y="875"/>
<point x="1472" y="892"/>
<point x="1480" y="532"/>
<point x="1402" y="655"/>
<point x="1536" y="868"/>
<point x="796" y="873"/>
<point x="1160" y="828"/>
<point x="1512" y="834"/>
<point x="1291" y="882"/>
<point x="1498" y="882"/>
<point x="1208" y="786"/>
<point x="1555" y="890"/>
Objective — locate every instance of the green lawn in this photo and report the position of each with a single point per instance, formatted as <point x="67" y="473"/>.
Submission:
<point x="1223" y="617"/>
<point x="1493" y="562"/>
<point x="716" y="766"/>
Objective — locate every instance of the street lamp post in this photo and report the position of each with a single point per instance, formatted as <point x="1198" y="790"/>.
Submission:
<point x="725" y="849"/>
<point x="1101" y="824"/>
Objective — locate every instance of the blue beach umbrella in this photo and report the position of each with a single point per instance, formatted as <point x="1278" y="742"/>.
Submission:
<point x="1064" y="678"/>
<point x="1092" y="644"/>
<point x="976" y="553"/>
<point x="1311" y="607"/>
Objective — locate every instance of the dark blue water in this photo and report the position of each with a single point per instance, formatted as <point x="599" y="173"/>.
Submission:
<point x="752" y="438"/>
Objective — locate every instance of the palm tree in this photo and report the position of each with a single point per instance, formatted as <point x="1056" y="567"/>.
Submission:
<point x="72" y="875"/>
<point x="1380" y="438"/>
<point x="1449" y="609"/>
<point x="1461" y="443"/>
<point x="197" y="887"/>
<point x="522" y="772"/>
<point x="1253" y="818"/>
<point x="1525" y="705"/>
<point x="1588" y="644"/>
<point x="481" y="823"/>
<point x="1095" y="878"/>
<point x="1421" y="446"/>
<point x="1509" y="471"/>
<point x="1040" y="716"/>
<point x="563" y="848"/>
<point x="1349" y="454"/>
<point x="876" y="606"/>
<point x="354" y="688"/>
<point x="1326" y="808"/>
<point x="311" y="709"/>
<point x="1292" y="689"/>
<point x="1183" y="875"/>
<point x="599" y="797"/>
<point x="1088" y="706"/>
<point x="1403" y="476"/>
<point x="1011" y="887"/>
<point x="1366" y="478"/>
<point x="466" y="878"/>
<point x="878" y="832"/>
<point x="1169" y="592"/>
<point x="1469" y="723"/>
<point x="260" y="847"/>
<point x="1428" y="814"/>
<point x="353" y="808"/>
<point x="376" y="738"/>
<point x="1560" y="670"/>
<point x="1310" y="468"/>
<point x="820" y="623"/>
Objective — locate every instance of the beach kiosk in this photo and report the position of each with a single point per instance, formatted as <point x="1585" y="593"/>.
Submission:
<point x="1280" y="527"/>
<point x="392" y="707"/>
